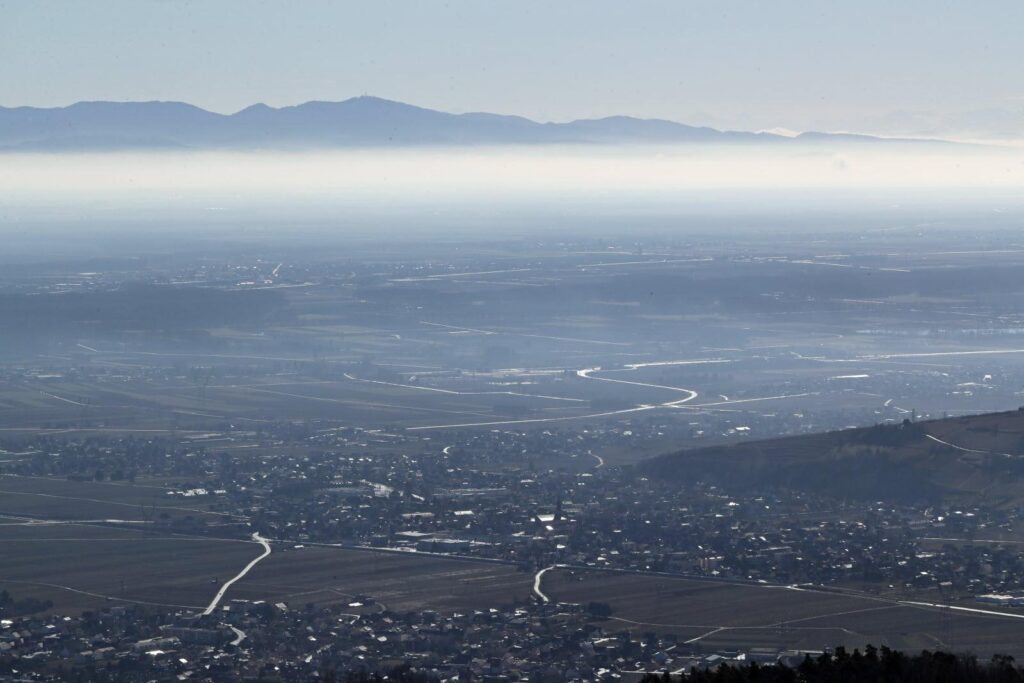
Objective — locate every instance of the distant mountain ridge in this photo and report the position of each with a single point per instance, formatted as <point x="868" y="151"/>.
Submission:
<point x="356" y="122"/>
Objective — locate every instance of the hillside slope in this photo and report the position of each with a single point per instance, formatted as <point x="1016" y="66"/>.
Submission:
<point x="970" y="459"/>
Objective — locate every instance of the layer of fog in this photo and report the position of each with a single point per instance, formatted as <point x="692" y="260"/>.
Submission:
<point x="504" y="172"/>
<point x="135" y="202"/>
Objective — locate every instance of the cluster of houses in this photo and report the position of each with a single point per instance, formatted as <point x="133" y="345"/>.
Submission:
<point x="259" y="641"/>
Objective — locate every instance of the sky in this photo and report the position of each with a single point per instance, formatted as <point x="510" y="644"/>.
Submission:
<point x="925" y="68"/>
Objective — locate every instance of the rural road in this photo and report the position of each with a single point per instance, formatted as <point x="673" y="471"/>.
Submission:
<point x="968" y="450"/>
<point x="462" y="393"/>
<point x="536" y="419"/>
<point x="537" y="581"/>
<point x="224" y="589"/>
<point x="585" y="373"/>
<point x="239" y="635"/>
<point x="588" y="373"/>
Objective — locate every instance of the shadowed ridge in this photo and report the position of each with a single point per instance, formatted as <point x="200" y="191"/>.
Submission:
<point x="970" y="459"/>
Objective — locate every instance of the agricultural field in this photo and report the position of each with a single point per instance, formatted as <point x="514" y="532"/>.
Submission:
<point x="728" y="616"/>
<point x="62" y="500"/>
<point x="84" y="544"/>
<point x="397" y="581"/>
<point x="84" y="566"/>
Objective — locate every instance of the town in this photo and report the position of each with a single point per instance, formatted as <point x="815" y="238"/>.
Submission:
<point x="483" y="498"/>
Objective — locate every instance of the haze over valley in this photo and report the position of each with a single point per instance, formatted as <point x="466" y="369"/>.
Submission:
<point x="442" y="342"/>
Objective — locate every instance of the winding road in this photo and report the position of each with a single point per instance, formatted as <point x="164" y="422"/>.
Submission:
<point x="587" y="373"/>
<point x="964" y="449"/>
<point x="224" y="589"/>
<point x="462" y="393"/>
<point x="537" y="579"/>
<point x="239" y="635"/>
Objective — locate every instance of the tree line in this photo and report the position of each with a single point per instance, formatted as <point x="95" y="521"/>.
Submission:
<point x="877" y="665"/>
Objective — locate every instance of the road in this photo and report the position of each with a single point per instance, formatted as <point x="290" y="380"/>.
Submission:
<point x="102" y="501"/>
<point x="968" y="610"/>
<point x="533" y="420"/>
<point x="588" y="373"/>
<point x="881" y="601"/>
<point x="113" y="598"/>
<point x="224" y="589"/>
<point x="969" y="450"/>
<point x="239" y="635"/>
<point x="65" y="400"/>
<point x="755" y="400"/>
<point x="475" y="330"/>
<point x="585" y="373"/>
<point x="537" y="579"/>
<point x="463" y="393"/>
<point x="941" y="354"/>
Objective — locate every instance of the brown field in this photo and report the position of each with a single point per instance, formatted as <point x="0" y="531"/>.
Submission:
<point x="82" y="566"/>
<point x="87" y="566"/>
<point x="154" y="409"/>
<point x="87" y="544"/>
<point x="64" y="500"/>
<point x="399" y="581"/>
<point x="722" y="616"/>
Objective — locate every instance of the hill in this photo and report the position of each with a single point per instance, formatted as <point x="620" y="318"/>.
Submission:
<point x="967" y="459"/>
<point x="359" y="121"/>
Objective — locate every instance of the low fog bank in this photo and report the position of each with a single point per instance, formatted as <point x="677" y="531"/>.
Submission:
<point x="114" y="202"/>
<point x="509" y="172"/>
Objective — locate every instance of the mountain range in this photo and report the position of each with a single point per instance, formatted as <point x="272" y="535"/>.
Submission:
<point x="356" y="122"/>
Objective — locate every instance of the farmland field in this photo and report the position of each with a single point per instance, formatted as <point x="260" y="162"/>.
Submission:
<point x="81" y="566"/>
<point x="65" y="500"/>
<point x="399" y="581"/>
<point x="727" y="616"/>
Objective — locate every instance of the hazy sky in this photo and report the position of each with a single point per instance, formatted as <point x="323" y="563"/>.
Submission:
<point x="909" y="67"/>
